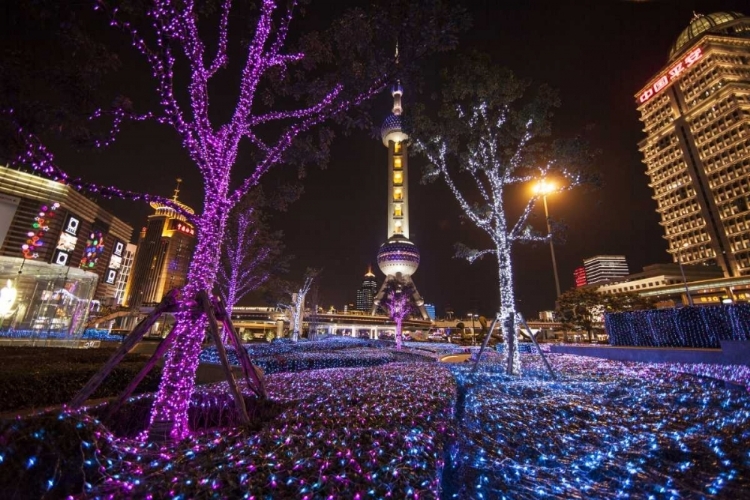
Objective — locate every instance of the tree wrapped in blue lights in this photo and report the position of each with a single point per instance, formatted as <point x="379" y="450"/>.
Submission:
<point x="684" y="327"/>
<point x="491" y="135"/>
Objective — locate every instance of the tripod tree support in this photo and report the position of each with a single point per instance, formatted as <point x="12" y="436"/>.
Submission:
<point x="170" y="303"/>
<point x="541" y="353"/>
<point x="484" y="343"/>
<point x="204" y="302"/>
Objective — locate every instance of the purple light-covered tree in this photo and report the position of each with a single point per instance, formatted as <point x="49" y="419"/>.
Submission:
<point x="398" y="303"/>
<point x="250" y="254"/>
<point x="491" y="136"/>
<point x="357" y="52"/>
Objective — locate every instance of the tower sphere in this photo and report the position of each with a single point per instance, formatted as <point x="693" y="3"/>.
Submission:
<point x="391" y="130"/>
<point x="398" y="255"/>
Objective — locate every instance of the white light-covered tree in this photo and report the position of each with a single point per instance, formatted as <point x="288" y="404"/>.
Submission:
<point x="296" y="309"/>
<point x="489" y="138"/>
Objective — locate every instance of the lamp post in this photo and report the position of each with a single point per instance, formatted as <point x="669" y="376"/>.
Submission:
<point x="544" y="188"/>
<point x="682" y="272"/>
<point x="473" y="334"/>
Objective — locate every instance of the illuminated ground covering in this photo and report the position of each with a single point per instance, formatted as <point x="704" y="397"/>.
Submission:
<point x="605" y="430"/>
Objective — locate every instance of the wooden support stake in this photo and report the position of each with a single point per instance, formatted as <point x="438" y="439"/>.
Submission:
<point x="533" y="338"/>
<point x="158" y="353"/>
<point x="213" y="326"/>
<point x="251" y="376"/>
<point x="484" y="343"/>
<point x="130" y="341"/>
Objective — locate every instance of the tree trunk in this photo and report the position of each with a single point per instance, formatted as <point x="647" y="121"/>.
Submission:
<point x="398" y="333"/>
<point x="169" y="413"/>
<point x="508" y="308"/>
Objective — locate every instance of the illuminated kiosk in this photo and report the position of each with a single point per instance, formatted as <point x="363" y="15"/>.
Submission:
<point x="44" y="301"/>
<point x="398" y="257"/>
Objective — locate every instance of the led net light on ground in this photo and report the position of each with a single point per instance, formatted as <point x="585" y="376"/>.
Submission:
<point x="607" y="430"/>
<point x="344" y="433"/>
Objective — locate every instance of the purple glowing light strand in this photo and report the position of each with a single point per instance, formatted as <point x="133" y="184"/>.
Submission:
<point x="398" y="303"/>
<point x="240" y="272"/>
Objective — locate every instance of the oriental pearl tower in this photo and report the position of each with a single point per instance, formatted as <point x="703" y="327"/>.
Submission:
<point x="398" y="258"/>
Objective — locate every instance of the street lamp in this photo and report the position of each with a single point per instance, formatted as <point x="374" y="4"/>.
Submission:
<point x="473" y="333"/>
<point x="682" y="271"/>
<point x="544" y="188"/>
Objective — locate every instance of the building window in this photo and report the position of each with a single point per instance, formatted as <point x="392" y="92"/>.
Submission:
<point x="397" y="147"/>
<point x="398" y="178"/>
<point x="398" y="229"/>
<point x="397" y="211"/>
<point x="398" y="195"/>
<point x="397" y="163"/>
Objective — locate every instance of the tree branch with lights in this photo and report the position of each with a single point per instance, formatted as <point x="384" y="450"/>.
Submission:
<point x="283" y="94"/>
<point x="398" y="303"/>
<point x="490" y="134"/>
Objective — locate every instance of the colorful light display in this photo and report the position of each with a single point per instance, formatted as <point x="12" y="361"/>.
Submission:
<point x="94" y="249"/>
<point x="685" y="327"/>
<point x="419" y="430"/>
<point x="39" y="229"/>
<point x="671" y="74"/>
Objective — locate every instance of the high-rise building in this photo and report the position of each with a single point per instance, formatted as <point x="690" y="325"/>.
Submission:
<point x="49" y="222"/>
<point x="579" y="275"/>
<point x="366" y="293"/>
<point x="430" y="308"/>
<point x="124" y="276"/>
<point x="605" y="268"/>
<point x="162" y="259"/>
<point x="398" y="257"/>
<point x="696" y="116"/>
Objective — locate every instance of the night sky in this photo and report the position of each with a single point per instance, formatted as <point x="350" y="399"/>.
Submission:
<point x="598" y="54"/>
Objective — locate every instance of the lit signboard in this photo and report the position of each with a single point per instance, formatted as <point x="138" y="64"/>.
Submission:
<point x="115" y="262"/>
<point x="183" y="227"/>
<point x="94" y="249"/>
<point x="671" y="74"/>
<point x="72" y="225"/>
<point x="110" y="276"/>
<point x="119" y="248"/>
<point x="60" y="258"/>
<point x="67" y="242"/>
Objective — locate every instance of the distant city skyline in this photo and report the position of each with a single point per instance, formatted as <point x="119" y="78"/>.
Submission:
<point x="598" y="57"/>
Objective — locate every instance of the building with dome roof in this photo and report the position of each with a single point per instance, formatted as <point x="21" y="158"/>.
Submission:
<point x="161" y="261"/>
<point x="398" y="257"/>
<point x="696" y="115"/>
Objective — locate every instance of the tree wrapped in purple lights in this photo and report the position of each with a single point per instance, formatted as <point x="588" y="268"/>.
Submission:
<point x="398" y="303"/>
<point x="348" y="68"/>
<point x="490" y="135"/>
<point x="250" y="254"/>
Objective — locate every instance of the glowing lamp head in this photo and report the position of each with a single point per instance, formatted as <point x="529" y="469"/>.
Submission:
<point x="397" y="256"/>
<point x="544" y="187"/>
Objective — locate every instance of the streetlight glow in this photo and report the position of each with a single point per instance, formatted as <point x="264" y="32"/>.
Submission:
<point x="544" y="187"/>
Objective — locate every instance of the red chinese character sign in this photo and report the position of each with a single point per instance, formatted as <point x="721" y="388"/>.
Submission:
<point x="671" y="75"/>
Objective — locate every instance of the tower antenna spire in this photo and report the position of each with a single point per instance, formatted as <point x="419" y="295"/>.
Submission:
<point x="177" y="189"/>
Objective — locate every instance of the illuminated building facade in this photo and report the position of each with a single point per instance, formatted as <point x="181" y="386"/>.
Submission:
<point x="579" y="275"/>
<point x="124" y="276"/>
<point x="161" y="262"/>
<point x="696" y="115"/>
<point x="366" y="293"/>
<point x="604" y="268"/>
<point x="48" y="222"/>
<point x="398" y="257"/>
